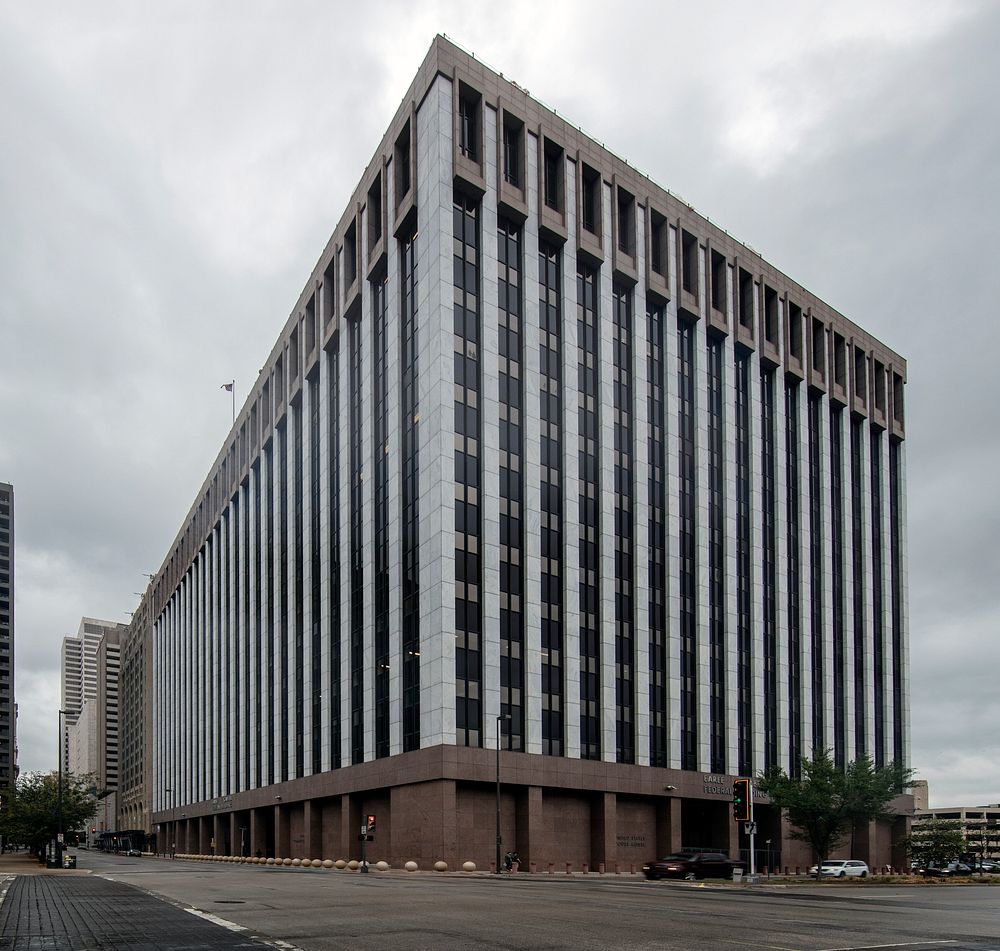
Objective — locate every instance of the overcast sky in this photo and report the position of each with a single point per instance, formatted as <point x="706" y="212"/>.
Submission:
<point x="170" y="173"/>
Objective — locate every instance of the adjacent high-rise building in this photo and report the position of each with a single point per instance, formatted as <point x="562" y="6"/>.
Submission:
<point x="135" y="782"/>
<point x="8" y="704"/>
<point x="90" y="671"/>
<point x="542" y="459"/>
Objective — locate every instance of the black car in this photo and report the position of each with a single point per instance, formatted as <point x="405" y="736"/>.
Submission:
<point x="692" y="865"/>
<point x="946" y="870"/>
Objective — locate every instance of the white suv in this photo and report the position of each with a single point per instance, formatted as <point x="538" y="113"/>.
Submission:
<point x="843" y="868"/>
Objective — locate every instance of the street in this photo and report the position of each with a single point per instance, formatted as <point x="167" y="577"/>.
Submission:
<point x="316" y="910"/>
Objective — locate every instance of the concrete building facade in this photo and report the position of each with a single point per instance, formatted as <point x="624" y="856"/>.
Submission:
<point x="8" y="703"/>
<point x="90" y="671"/>
<point x="980" y="825"/>
<point x="542" y="460"/>
<point x="135" y="690"/>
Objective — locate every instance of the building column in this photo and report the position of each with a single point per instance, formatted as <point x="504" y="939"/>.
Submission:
<point x="603" y="830"/>
<point x="348" y="814"/>
<point x="257" y="837"/>
<point x="218" y="837"/>
<point x="668" y="825"/>
<point x="282" y="848"/>
<point x="863" y="843"/>
<point x="529" y="827"/>
<point x="735" y="843"/>
<point x="311" y="829"/>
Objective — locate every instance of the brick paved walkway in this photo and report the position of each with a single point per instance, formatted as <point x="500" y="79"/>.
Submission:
<point x="46" y="913"/>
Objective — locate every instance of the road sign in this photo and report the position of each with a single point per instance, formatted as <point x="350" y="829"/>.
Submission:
<point x="364" y="830"/>
<point x="59" y="838"/>
<point x="749" y="827"/>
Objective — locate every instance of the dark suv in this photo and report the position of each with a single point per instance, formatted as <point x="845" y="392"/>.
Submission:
<point x="692" y="865"/>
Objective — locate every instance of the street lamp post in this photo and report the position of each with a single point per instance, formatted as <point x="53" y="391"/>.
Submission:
<point x="59" y="795"/>
<point x="500" y="718"/>
<point x="172" y="823"/>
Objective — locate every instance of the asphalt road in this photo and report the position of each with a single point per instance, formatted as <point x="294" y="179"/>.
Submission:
<point x="318" y="910"/>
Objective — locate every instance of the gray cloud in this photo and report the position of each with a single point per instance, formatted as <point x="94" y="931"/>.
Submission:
<point x="169" y="177"/>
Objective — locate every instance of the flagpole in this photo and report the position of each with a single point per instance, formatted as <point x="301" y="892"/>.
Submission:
<point x="232" y="389"/>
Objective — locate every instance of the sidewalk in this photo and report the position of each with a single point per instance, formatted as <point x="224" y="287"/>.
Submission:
<point x="23" y="863"/>
<point x="73" y="914"/>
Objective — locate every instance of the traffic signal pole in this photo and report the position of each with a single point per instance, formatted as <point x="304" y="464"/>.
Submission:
<point x="743" y="812"/>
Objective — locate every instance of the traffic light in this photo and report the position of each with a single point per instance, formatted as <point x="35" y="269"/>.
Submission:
<point x="741" y="800"/>
<point x="371" y="825"/>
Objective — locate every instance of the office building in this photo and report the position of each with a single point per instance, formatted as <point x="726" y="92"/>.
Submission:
<point x="135" y="690"/>
<point x="8" y="704"/>
<point x="542" y="458"/>
<point x="90" y="670"/>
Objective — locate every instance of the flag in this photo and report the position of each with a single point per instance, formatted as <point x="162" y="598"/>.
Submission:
<point x="227" y="386"/>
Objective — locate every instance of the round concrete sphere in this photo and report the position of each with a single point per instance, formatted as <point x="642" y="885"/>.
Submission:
<point x="296" y="863"/>
<point x="382" y="866"/>
<point x="286" y="861"/>
<point x="468" y="866"/>
<point x="353" y="865"/>
<point x="440" y="866"/>
<point x="411" y="866"/>
<point x="316" y="863"/>
<point x="327" y="863"/>
<point x="340" y="863"/>
<point x="270" y="861"/>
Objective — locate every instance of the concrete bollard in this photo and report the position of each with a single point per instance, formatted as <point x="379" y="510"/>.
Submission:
<point x="552" y="868"/>
<point x="568" y="866"/>
<point x="440" y="866"/>
<point x="618" y="869"/>
<point x="493" y="868"/>
<point x="468" y="866"/>
<point x="600" y="868"/>
<point x="586" y="868"/>
<point x="532" y="868"/>
<point x="631" y="869"/>
<point x="411" y="866"/>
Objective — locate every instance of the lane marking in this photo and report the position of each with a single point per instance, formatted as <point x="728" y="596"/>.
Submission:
<point x="901" y="944"/>
<point x="215" y="919"/>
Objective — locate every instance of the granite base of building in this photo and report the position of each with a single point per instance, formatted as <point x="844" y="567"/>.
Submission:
<point x="440" y="804"/>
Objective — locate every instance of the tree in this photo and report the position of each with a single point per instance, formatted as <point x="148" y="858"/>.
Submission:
<point x="31" y="815"/>
<point x="868" y="789"/>
<point x="936" y="842"/>
<point x="827" y="803"/>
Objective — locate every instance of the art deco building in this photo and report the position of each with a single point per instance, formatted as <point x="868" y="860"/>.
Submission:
<point x="541" y="455"/>
<point x="8" y="706"/>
